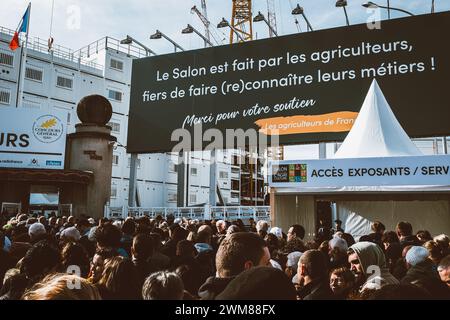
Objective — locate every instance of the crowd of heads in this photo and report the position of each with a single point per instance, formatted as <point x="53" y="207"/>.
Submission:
<point x="68" y="258"/>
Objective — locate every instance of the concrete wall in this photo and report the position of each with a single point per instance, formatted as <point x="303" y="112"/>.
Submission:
<point x="89" y="149"/>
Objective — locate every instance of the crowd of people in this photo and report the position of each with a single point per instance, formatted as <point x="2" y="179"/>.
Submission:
<point x="68" y="258"/>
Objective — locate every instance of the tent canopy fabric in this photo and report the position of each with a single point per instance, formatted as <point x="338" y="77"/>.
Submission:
<point x="376" y="132"/>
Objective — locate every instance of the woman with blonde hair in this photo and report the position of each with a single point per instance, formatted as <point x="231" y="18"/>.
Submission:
<point x="61" y="286"/>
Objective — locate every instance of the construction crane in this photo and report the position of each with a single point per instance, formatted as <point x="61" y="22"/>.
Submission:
<point x="271" y="17"/>
<point x="241" y="21"/>
<point x="204" y="19"/>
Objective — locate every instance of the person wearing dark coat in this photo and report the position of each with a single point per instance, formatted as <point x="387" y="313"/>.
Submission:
<point x="422" y="273"/>
<point x="312" y="270"/>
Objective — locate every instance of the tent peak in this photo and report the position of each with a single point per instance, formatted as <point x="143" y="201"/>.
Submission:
<point x="376" y="132"/>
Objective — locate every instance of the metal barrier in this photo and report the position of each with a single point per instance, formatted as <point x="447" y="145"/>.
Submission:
<point x="204" y="213"/>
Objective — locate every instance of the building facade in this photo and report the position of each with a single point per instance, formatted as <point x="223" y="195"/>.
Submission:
<point x="59" y="78"/>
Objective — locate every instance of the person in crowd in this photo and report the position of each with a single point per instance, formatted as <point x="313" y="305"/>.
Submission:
<point x="404" y="232"/>
<point x="444" y="242"/>
<point x="163" y="285"/>
<point x="62" y="287"/>
<point x="337" y="253"/>
<point x="238" y="252"/>
<point x="434" y="251"/>
<point x="423" y="236"/>
<point x="342" y="283"/>
<point x="292" y="265"/>
<point x="378" y="230"/>
<point x="141" y="252"/>
<point x="177" y="234"/>
<point x="128" y="230"/>
<point x="389" y="238"/>
<point x="119" y="281"/>
<point x="108" y="239"/>
<point x="295" y="236"/>
<point x="444" y="271"/>
<point x="421" y="272"/>
<point x="75" y="258"/>
<point x="158" y="260"/>
<point x="6" y="262"/>
<point x="221" y="227"/>
<point x="37" y="232"/>
<point x="338" y="226"/>
<point x="259" y="284"/>
<point x="252" y="225"/>
<point x="364" y="259"/>
<point x="312" y="276"/>
<point x="70" y="234"/>
<point x="262" y="228"/>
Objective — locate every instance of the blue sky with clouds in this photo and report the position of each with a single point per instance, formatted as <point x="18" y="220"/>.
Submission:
<point x="140" y="18"/>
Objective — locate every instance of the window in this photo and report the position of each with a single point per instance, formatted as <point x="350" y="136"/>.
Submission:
<point x="171" y="197"/>
<point x="33" y="74"/>
<point x="223" y="175"/>
<point x="31" y="104"/>
<point x="63" y="82"/>
<point x="115" y="160"/>
<point x="5" y="96"/>
<point x="115" y="127"/>
<point x="6" y="59"/>
<point x="114" y="95"/>
<point x="113" y="191"/>
<point x="193" y="171"/>
<point x="193" y="198"/>
<point x="116" y="64"/>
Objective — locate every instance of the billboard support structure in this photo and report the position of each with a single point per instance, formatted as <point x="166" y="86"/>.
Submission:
<point x="133" y="180"/>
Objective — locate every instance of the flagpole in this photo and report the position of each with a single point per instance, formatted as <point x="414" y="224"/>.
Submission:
<point x="23" y="62"/>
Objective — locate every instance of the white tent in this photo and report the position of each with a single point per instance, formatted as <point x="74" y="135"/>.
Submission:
<point x="376" y="133"/>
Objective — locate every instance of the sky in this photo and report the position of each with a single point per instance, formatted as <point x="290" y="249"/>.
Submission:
<point x="77" y="23"/>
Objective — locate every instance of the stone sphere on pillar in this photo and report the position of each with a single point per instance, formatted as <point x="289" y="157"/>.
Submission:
<point x="94" y="109"/>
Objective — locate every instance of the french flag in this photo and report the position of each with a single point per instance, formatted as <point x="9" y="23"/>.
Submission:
<point x="15" y="43"/>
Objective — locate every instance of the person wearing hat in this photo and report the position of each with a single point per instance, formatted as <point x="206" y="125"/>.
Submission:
<point x="70" y="234"/>
<point x="422" y="272"/>
<point x="259" y="283"/>
<point x="37" y="232"/>
<point x="366" y="258"/>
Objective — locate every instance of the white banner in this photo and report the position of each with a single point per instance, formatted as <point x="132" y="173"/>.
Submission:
<point x="32" y="139"/>
<point x="389" y="171"/>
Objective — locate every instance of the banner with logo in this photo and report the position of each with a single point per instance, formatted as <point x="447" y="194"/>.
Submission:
<point x="32" y="139"/>
<point x="336" y="173"/>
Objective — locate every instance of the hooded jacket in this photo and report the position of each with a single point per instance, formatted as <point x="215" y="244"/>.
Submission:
<point x="370" y="257"/>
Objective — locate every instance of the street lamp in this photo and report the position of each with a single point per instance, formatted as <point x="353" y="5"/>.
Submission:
<point x="261" y="17"/>
<point x="224" y="23"/>
<point x="129" y="40"/>
<point x="343" y="4"/>
<point x="370" y="4"/>
<point x="299" y="10"/>
<point x="158" y="35"/>
<point x="191" y="29"/>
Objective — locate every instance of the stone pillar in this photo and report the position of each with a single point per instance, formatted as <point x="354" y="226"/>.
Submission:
<point x="90" y="148"/>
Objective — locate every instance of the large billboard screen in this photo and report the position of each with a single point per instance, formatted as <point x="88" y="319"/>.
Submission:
<point x="307" y="87"/>
<point x="32" y="139"/>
